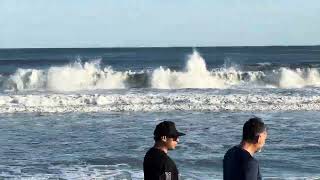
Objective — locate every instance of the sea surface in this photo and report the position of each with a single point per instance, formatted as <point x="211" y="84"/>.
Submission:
<point x="89" y="113"/>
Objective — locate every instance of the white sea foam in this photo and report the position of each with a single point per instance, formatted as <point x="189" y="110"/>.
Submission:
<point x="112" y="172"/>
<point x="74" y="77"/>
<point x="30" y="79"/>
<point x="196" y="75"/>
<point x="299" y="78"/>
<point x="60" y="103"/>
<point x="91" y="76"/>
<point x="84" y="77"/>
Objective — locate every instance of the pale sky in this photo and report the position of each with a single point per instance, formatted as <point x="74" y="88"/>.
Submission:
<point x="143" y="23"/>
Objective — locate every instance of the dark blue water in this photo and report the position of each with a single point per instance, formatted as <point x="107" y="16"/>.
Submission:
<point x="142" y="58"/>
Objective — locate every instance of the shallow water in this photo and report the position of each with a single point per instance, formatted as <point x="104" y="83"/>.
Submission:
<point x="112" y="145"/>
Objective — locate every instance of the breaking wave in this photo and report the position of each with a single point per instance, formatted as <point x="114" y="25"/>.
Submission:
<point x="92" y="76"/>
<point x="74" y="77"/>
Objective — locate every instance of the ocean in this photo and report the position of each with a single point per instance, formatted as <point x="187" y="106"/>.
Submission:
<point x="89" y="113"/>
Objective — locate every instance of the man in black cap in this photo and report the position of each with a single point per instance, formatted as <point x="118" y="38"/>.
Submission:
<point x="157" y="165"/>
<point x="238" y="162"/>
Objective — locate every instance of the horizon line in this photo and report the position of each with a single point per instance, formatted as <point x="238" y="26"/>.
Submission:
<point x="137" y="47"/>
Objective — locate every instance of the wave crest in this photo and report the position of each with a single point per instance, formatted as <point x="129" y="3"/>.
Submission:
<point x="299" y="78"/>
<point x="85" y="76"/>
<point x="195" y="76"/>
<point x="74" y="77"/>
<point x="91" y="76"/>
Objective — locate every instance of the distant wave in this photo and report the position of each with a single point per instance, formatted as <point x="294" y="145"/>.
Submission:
<point x="91" y="76"/>
<point x="196" y="75"/>
<point x="74" y="77"/>
<point x="179" y="101"/>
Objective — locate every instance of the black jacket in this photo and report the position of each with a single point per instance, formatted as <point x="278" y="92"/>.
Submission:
<point x="157" y="165"/>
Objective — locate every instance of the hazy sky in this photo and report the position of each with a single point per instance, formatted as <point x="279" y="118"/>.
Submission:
<point x="114" y="23"/>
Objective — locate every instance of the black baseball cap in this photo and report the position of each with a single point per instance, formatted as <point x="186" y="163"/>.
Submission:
<point x="167" y="128"/>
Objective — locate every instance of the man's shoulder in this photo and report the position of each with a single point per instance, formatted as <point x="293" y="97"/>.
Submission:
<point x="233" y="150"/>
<point x="238" y="153"/>
<point x="156" y="154"/>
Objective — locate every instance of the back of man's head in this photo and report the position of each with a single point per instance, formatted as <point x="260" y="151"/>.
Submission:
<point x="251" y="130"/>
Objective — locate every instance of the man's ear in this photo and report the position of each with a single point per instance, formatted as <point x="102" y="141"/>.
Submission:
<point x="256" y="138"/>
<point x="164" y="138"/>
